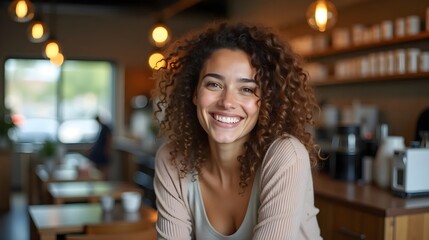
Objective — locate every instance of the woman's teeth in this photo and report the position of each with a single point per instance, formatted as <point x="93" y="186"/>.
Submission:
<point x="226" y="119"/>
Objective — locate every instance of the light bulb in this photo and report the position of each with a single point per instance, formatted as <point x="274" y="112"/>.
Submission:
<point x="52" y="48"/>
<point x="57" y="60"/>
<point x="160" y="35"/>
<point x="21" y="10"/>
<point x="37" y="31"/>
<point x="321" y="15"/>
<point x="155" y="61"/>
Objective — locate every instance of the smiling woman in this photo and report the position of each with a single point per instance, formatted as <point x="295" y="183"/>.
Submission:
<point x="235" y="105"/>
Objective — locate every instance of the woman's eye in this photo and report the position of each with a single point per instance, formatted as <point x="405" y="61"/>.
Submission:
<point x="248" y="90"/>
<point x="213" y="85"/>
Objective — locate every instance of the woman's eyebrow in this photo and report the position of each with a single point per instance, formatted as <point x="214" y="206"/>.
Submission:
<point x="247" y="80"/>
<point x="220" y="77"/>
<point x="214" y="75"/>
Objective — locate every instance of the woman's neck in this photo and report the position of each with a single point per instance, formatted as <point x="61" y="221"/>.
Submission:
<point x="223" y="163"/>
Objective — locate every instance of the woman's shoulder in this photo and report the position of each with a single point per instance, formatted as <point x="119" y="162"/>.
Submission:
<point x="163" y="159"/>
<point x="287" y="142"/>
<point x="285" y="151"/>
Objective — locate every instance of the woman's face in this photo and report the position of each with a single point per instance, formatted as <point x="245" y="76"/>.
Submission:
<point x="227" y="96"/>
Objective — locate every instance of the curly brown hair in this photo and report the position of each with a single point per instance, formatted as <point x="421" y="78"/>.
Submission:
<point x="287" y="101"/>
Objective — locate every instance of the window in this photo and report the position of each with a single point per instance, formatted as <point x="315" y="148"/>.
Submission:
<point x="58" y="103"/>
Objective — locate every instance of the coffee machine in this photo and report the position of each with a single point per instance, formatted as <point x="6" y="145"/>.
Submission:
<point x="345" y="161"/>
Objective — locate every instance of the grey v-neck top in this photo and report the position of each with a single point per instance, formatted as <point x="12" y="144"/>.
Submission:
<point x="203" y="228"/>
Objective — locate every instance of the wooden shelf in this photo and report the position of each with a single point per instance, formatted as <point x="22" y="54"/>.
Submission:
<point x="335" y="82"/>
<point x="394" y="41"/>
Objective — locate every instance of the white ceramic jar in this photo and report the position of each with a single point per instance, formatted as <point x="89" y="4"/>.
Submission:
<point x="383" y="160"/>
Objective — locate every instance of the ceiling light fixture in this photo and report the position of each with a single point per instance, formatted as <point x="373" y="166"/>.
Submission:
<point x="38" y="31"/>
<point x="321" y="15"/>
<point x="160" y="35"/>
<point x="21" y="10"/>
<point x="58" y="59"/>
<point x="52" y="48"/>
<point x="156" y="60"/>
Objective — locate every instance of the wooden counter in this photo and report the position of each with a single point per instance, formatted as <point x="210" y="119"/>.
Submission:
<point x="354" y="211"/>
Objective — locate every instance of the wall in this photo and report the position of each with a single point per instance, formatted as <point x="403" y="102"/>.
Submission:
<point x="400" y="102"/>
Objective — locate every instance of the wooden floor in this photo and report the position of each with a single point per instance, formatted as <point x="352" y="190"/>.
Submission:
<point x="14" y="225"/>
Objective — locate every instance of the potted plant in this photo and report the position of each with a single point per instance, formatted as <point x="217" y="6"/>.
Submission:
<point x="48" y="149"/>
<point x="47" y="154"/>
<point x="6" y="124"/>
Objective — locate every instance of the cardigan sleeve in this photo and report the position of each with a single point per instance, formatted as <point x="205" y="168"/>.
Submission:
<point x="284" y="193"/>
<point x="174" y="217"/>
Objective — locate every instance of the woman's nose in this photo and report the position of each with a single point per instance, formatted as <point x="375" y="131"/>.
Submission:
<point x="228" y="99"/>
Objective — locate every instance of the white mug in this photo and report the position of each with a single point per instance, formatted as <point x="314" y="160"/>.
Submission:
<point x="424" y="61"/>
<point x="412" y="25"/>
<point x="390" y="62"/>
<point x="107" y="202"/>
<point x="131" y="201"/>
<point x="358" y="34"/>
<point x="400" y="61"/>
<point x="412" y="60"/>
<point x="386" y="30"/>
<point x="399" y="27"/>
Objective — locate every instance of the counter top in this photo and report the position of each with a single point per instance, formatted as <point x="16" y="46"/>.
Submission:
<point x="367" y="197"/>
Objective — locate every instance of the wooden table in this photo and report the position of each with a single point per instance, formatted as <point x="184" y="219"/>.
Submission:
<point x="49" y="221"/>
<point x="62" y="192"/>
<point x="74" y="167"/>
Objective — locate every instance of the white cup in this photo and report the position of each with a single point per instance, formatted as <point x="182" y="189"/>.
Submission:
<point x="412" y="60"/>
<point x="400" y="61"/>
<point x="358" y="34"/>
<point x="390" y="62"/>
<point x="400" y="27"/>
<point x="382" y="66"/>
<point x="424" y="61"/>
<point x="373" y="64"/>
<point x="376" y="32"/>
<point x="386" y="30"/>
<point x="131" y="201"/>
<point x="412" y="25"/>
<point x="107" y="202"/>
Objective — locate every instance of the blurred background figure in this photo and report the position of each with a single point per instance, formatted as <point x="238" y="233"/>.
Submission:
<point x="99" y="153"/>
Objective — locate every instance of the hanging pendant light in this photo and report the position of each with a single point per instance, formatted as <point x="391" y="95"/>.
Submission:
<point x="321" y="15"/>
<point x="21" y="10"/>
<point x="38" y="31"/>
<point x="58" y="59"/>
<point x="160" y="35"/>
<point x="52" y="48"/>
<point x="156" y="61"/>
